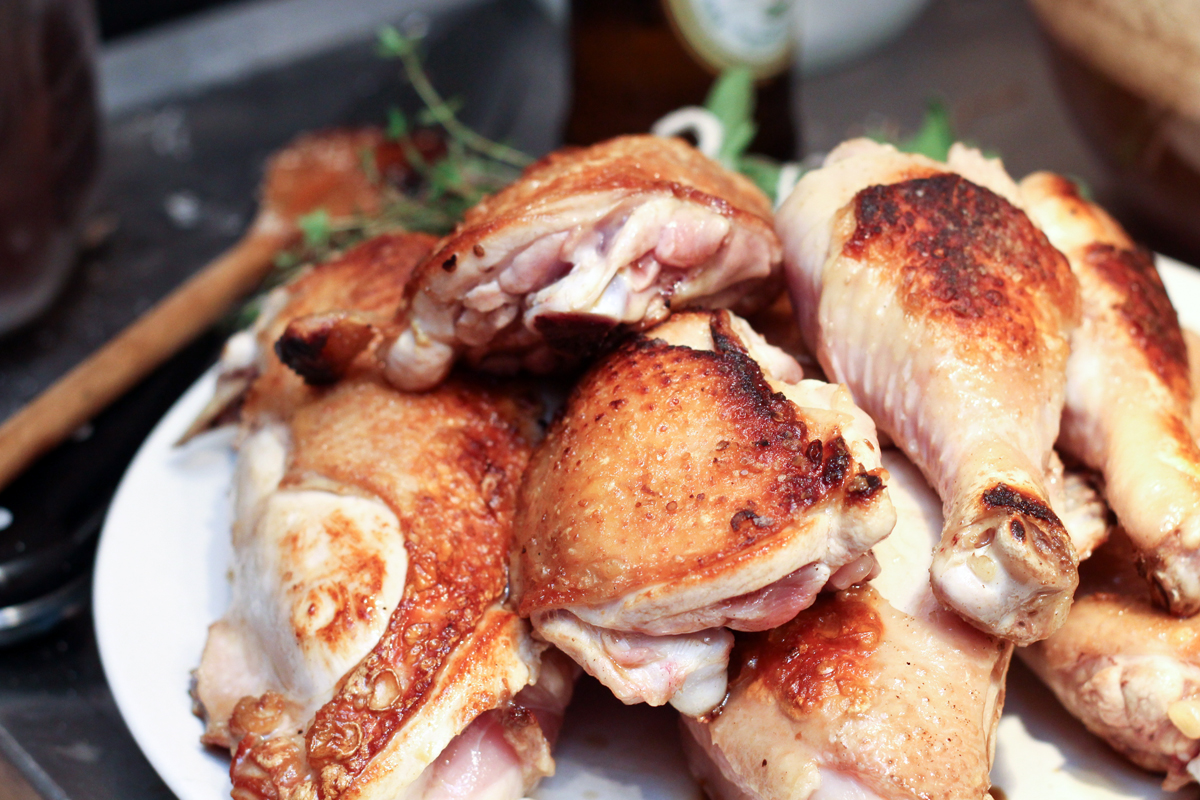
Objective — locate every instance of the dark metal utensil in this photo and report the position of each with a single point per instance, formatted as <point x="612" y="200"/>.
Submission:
<point x="51" y="515"/>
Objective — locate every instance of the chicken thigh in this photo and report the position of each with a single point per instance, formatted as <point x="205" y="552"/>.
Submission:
<point x="873" y="692"/>
<point x="924" y="288"/>
<point x="1128" y="402"/>
<point x="587" y="241"/>
<point x="368" y="651"/>
<point x="693" y="483"/>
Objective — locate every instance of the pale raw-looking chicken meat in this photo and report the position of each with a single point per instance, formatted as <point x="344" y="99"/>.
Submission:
<point x="587" y="242"/>
<point x="1129" y="397"/>
<point x="368" y="651"/>
<point x="1125" y="668"/>
<point x="924" y="288"/>
<point x="874" y="693"/>
<point x="692" y="483"/>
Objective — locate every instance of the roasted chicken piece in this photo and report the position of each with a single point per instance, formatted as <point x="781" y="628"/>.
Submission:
<point x="873" y="692"/>
<point x="325" y="170"/>
<point x="925" y="289"/>
<point x="692" y="483"/>
<point x="1129" y="397"/>
<point x="1127" y="669"/>
<point x="587" y="241"/>
<point x="368" y="651"/>
<point x="369" y="279"/>
<point x="1192" y="340"/>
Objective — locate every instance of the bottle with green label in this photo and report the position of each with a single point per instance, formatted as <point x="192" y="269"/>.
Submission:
<point x="636" y="60"/>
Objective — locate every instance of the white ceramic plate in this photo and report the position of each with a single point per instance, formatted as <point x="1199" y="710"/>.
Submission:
<point x="161" y="579"/>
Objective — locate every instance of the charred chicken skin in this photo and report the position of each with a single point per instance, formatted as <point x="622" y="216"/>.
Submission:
<point x="368" y="651"/>
<point x="1129" y="394"/>
<point x="692" y="483"/>
<point x="925" y="289"/>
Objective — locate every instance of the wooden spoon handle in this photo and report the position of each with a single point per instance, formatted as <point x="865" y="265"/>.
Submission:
<point x="154" y="337"/>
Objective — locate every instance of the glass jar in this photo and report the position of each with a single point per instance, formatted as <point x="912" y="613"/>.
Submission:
<point x="49" y="147"/>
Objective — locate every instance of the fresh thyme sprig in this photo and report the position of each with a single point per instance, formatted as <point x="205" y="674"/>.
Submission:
<point x="393" y="44"/>
<point x="466" y="169"/>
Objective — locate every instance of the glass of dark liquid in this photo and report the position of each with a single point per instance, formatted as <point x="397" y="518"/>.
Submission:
<point x="636" y="60"/>
<point x="49" y="147"/>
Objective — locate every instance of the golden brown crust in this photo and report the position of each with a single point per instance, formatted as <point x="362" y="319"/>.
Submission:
<point x="862" y="686"/>
<point x="470" y="456"/>
<point x="668" y="462"/>
<point x="627" y="164"/>
<point x="1151" y="319"/>
<point x="963" y="254"/>
<point x="821" y="657"/>
<point x="463" y="448"/>
<point x="369" y="279"/>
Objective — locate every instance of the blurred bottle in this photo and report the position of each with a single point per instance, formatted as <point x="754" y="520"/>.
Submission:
<point x="636" y="60"/>
<point x="49" y="147"/>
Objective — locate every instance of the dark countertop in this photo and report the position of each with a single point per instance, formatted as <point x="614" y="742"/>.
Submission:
<point x="180" y="183"/>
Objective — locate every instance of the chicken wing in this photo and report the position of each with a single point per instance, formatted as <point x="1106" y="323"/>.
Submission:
<point x="1128" y="402"/>
<point x="692" y="484"/>
<point x="587" y="241"/>
<point x="927" y="291"/>
<point x="1128" y="670"/>
<point x="873" y="692"/>
<point x="368" y="651"/>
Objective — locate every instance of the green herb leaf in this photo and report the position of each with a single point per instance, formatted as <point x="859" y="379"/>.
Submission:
<point x="763" y="171"/>
<point x="397" y="124"/>
<point x="428" y="116"/>
<point x="935" y="136"/>
<point x="393" y="44"/>
<point x="731" y="100"/>
<point x="316" y="227"/>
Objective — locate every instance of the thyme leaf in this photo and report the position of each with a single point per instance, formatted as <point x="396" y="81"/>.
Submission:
<point x="393" y="44"/>
<point x="935" y="136"/>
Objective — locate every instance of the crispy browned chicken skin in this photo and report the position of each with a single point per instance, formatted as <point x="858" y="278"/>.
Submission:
<point x="586" y="242"/>
<point x="925" y="289"/>
<point x="368" y="629"/>
<point x="684" y="489"/>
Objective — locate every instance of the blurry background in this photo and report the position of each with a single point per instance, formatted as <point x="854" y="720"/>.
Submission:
<point x="197" y="93"/>
<point x="119" y="17"/>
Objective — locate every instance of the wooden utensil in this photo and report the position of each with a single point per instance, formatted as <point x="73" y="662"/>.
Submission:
<point x="323" y="170"/>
